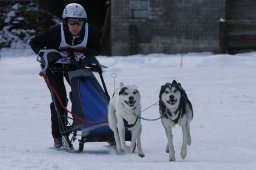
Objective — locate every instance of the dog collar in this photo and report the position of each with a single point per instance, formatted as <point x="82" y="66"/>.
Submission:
<point x="167" y="115"/>
<point x="130" y="125"/>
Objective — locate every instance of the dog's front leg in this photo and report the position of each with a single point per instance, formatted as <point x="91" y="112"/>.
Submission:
<point x="117" y="140"/>
<point x="183" y="152"/>
<point x="170" y="147"/>
<point x="121" y="131"/>
<point x="113" y="125"/>
<point x="134" y="136"/>
<point x="139" y="148"/>
<point x="188" y="132"/>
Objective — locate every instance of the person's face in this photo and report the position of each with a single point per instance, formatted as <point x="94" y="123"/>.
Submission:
<point x="75" y="26"/>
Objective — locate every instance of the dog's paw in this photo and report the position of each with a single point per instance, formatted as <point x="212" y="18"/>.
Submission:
<point x="183" y="153"/>
<point x="141" y="155"/>
<point x="167" y="148"/>
<point x="118" y="148"/>
<point x="126" y="149"/>
<point x="172" y="158"/>
<point x="132" y="148"/>
<point x="172" y="155"/>
<point x="189" y="140"/>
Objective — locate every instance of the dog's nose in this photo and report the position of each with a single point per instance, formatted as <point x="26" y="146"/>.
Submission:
<point x="131" y="98"/>
<point x="171" y="96"/>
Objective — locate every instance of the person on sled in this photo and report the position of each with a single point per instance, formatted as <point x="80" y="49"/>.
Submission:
<point x="73" y="35"/>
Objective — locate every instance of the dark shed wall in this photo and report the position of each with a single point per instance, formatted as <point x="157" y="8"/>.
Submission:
<point x="119" y="27"/>
<point x="172" y="26"/>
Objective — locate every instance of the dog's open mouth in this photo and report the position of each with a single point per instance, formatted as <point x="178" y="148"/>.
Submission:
<point x="171" y="102"/>
<point x="130" y="103"/>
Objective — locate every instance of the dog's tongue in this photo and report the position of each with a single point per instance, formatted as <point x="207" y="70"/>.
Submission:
<point x="131" y="103"/>
<point x="172" y="101"/>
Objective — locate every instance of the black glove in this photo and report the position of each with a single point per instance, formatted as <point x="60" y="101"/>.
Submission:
<point x="91" y="62"/>
<point x="53" y="57"/>
<point x="96" y="68"/>
<point x="48" y="58"/>
<point x="87" y="61"/>
<point x="90" y="52"/>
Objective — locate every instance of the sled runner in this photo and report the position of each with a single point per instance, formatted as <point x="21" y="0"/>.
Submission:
<point x="88" y="118"/>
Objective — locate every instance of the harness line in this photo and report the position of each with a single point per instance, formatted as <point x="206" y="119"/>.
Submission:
<point x="147" y="119"/>
<point x="81" y="119"/>
<point x="65" y="108"/>
<point x="150" y="106"/>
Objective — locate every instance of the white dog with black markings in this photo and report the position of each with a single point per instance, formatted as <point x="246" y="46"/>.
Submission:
<point x="175" y="108"/>
<point x="124" y="113"/>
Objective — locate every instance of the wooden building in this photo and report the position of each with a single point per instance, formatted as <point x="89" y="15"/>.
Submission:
<point x="168" y="26"/>
<point x="238" y="27"/>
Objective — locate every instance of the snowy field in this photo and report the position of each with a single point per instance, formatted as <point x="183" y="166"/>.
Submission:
<point x="220" y="87"/>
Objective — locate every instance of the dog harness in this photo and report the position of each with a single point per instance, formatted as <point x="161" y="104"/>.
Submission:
<point x="130" y="125"/>
<point x="167" y="115"/>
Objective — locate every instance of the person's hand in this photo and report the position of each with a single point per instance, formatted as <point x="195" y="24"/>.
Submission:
<point x="91" y="62"/>
<point x="96" y="68"/>
<point x="86" y="62"/>
<point x="48" y="57"/>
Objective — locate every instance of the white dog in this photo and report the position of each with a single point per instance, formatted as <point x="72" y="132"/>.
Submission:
<point x="123" y="114"/>
<point x="175" y="108"/>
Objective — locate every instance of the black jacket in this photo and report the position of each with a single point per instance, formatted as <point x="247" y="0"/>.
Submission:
<point x="51" y="39"/>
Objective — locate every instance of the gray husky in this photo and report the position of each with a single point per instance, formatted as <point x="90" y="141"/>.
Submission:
<point x="175" y="108"/>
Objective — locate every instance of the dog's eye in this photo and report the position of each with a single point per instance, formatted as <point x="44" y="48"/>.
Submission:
<point x="174" y="91"/>
<point x="125" y="93"/>
<point x="134" y="92"/>
<point x="166" y="92"/>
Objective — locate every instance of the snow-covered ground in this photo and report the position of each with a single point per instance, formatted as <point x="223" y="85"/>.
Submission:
<point x="220" y="87"/>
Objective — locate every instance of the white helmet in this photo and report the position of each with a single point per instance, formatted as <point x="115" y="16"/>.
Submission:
<point x="74" y="10"/>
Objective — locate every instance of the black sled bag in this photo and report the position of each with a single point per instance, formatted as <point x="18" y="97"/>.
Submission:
<point x="89" y="106"/>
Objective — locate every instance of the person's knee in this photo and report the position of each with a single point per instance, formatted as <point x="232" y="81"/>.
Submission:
<point x="52" y="107"/>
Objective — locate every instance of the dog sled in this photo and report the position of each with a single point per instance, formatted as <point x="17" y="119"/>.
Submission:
<point x="88" y="119"/>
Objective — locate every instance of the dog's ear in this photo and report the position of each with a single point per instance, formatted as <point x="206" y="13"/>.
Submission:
<point x="163" y="87"/>
<point x="178" y="86"/>
<point x="161" y="91"/>
<point x="167" y="84"/>
<point x="184" y="98"/>
<point x="181" y="88"/>
<point x="137" y="91"/>
<point x="121" y="85"/>
<point x="174" y="82"/>
<point x="122" y="91"/>
<point x="134" y="86"/>
<point x="161" y="104"/>
<point x="162" y="107"/>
